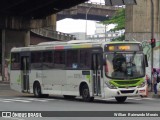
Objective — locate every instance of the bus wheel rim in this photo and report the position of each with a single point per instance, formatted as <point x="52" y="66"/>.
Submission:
<point x="85" y="93"/>
<point x="37" y="90"/>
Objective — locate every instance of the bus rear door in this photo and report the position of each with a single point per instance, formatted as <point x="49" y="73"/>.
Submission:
<point x="25" y="63"/>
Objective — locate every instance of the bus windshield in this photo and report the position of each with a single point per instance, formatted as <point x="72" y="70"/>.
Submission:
<point x="125" y="65"/>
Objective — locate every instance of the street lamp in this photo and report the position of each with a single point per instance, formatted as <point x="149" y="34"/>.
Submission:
<point x="105" y="31"/>
<point x="107" y="16"/>
<point x="86" y="20"/>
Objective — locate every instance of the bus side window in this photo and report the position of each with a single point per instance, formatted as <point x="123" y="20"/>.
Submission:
<point x="85" y="57"/>
<point x="36" y="60"/>
<point x="47" y="60"/>
<point x="15" y="61"/>
<point x="59" y="59"/>
<point x="72" y="59"/>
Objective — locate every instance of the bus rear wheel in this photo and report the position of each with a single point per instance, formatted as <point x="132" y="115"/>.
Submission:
<point x="85" y="94"/>
<point x="121" y="99"/>
<point x="37" y="90"/>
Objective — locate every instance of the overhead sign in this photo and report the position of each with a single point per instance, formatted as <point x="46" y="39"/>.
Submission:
<point x="120" y="2"/>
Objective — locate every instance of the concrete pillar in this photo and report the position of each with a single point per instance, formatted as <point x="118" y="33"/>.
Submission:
<point x="53" y="21"/>
<point x="138" y="20"/>
<point x="3" y="54"/>
<point x="27" y="38"/>
<point x="138" y="27"/>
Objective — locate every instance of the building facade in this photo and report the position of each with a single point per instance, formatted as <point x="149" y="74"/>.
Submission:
<point x="138" y="27"/>
<point x="102" y="33"/>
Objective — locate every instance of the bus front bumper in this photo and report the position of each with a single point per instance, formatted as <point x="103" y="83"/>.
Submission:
<point x="134" y="91"/>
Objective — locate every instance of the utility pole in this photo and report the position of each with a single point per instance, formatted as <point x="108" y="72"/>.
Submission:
<point x="152" y="38"/>
<point x="105" y="32"/>
<point x="86" y="20"/>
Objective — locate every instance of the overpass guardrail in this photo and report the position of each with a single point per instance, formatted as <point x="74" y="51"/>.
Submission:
<point x="56" y="35"/>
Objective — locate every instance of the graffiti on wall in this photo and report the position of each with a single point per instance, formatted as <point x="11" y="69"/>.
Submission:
<point x="156" y="55"/>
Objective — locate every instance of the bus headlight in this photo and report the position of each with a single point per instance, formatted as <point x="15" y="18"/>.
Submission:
<point x="111" y="86"/>
<point x="142" y="85"/>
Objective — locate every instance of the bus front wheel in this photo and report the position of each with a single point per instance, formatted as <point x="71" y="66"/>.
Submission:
<point x="121" y="99"/>
<point x="85" y="94"/>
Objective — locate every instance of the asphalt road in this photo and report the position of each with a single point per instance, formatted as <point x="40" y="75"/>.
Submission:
<point x="14" y="101"/>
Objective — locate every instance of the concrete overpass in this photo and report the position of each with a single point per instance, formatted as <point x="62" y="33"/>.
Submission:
<point x="97" y="12"/>
<point x="18" y="17"/>
<point x="22" y="14"/>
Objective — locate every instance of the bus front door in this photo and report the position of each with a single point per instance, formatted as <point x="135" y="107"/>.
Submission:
<point x="25" y="73"/>
<point x="96" y="67"/>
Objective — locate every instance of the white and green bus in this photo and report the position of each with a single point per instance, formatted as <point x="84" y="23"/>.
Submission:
<point x="80" y="68"/>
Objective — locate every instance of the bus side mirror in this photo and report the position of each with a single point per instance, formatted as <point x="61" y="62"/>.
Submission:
<point x="146" y="61"/>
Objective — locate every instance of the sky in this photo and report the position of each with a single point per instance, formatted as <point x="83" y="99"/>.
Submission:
<point x="69" y="25"/>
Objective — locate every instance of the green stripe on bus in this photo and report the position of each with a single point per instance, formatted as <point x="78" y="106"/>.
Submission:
<point x="126" y="83"/>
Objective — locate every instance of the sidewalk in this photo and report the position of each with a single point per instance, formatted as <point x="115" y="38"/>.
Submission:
<point x="152" y="95"/>
<point x="3" y="82"/>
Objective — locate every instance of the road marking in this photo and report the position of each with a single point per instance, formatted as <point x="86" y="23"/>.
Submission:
<point x="26" y="100"/>
<point x="139" y="98"/>
<point x="11" y="118"/>
<point x="14" y="100"/>
<point x="5" y="101"/>
<point x="36" y="99"/>
<point x="149" y="98"/>
<point x="134" y="98"/>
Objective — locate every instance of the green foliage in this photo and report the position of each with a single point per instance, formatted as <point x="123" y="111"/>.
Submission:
<point x="118" y="19"/>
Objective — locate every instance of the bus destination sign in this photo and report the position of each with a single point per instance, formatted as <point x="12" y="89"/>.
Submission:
<point x="122" y="47"/>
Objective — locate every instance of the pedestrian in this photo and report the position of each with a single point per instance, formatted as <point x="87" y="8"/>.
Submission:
<point x="6" y="72"/>
<point x="158" y="77"/>
<point x="148" y="80"/>
<point x="154" y="76"/>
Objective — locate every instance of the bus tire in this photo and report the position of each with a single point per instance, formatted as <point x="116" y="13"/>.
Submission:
<point x="85" y="94"/>
<point x="69" y="96"/>
<point x="37" y="90"/>
<point x="121" y="99"/>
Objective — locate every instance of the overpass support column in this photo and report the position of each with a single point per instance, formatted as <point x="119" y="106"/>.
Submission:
<point x="27" y="38"/>
<point x="3" y="54"/>
<point x="53" y="21"/>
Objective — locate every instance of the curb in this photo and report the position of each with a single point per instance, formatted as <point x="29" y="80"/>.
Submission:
<point x="4" y="82"/>
<point x="152" y="95"/>
<point x="155" y="96"/>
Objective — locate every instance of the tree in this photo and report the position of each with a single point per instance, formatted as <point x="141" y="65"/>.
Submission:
<point x="119" y="20"/>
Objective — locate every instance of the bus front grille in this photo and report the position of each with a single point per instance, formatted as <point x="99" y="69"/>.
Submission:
<point x="127" y="91"/>
<point x="126" y="83"/>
